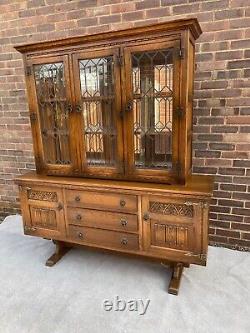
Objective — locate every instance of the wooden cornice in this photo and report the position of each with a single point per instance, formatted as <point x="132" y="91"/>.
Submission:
<point x="177" y="25"/>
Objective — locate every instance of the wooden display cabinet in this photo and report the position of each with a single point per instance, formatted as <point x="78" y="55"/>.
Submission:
<point x="111" y="118"/>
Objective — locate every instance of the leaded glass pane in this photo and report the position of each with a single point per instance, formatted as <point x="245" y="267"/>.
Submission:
<point x="152" y="84"/>
<point x="51" y="97"/>
<point x="98" y="107"/>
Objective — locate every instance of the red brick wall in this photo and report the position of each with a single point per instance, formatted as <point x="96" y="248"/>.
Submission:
<point x="222" y="91"/>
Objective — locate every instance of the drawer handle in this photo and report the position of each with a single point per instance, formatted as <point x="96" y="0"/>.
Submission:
<point x="146" y="217"/>
<point x="80" y="235"/>
<point x="124" y="222"/>
<point x="124" y="241"/>
<point x="78" y="217"/>
<point x="122" y="203"/>
<point x="77" y="198"/>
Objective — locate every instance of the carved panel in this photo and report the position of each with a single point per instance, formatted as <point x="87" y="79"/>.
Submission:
<point x="171" y="209"/>
<point x="172" y="236"/>
<point x="43" y="218"/>
<point x="42" y="195"/>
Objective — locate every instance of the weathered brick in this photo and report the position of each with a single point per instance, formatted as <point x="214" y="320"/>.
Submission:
<point x="207" y="153"/>
<point x="218" y="239"/>
<point x="147" y="4"/>
<point x="215" y="5"/>
<point x="110" y="19"/>
<point x="46" y="27"/>
<point x="222" y="146"/>
<point x="245" y="235"/>
<point x="239" y="64"/>
<point x="228" y="35"/>
<point x="86" y="3"/>
<point x="224" y="129"/>
<point x="233" y="187"/>
<point x="133" y="16"/>
<point x="211" y="120"/>
<point x="232" y="171"/>
<point x="230" y="203"/>
<point x="35" y="3"/>
<point x="228" y="233"/>
<point x="222" y="194"/>
<point x="214" y="84"/>
<point x="228" y="13"/>
<point x="157" y="12"/>
<point x="205" y="170"/>
<point x="230" y="218"/>
<point x="173" y="2"/>
<point x="241" y="163"/>
<point x="183" y="9"/>
<point x="229" y="55"/>
<point x="241" y="211"/>
<point x="122" y="7"/>
<point x="219" y="224"/>
<point x="241" y="226"/>
<point x="86" y="22"/>
<point x="209" y="137"/>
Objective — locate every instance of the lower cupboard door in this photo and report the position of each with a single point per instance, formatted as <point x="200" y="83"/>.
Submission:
<point x="171" y="226"/>
<point x="167" y="235"/>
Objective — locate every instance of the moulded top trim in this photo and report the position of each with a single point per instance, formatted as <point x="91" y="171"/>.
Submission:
<point x="196" y="184"/>
<point x="192" y="24"/>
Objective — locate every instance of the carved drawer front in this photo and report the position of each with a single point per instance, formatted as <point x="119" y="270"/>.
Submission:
<point x="179" y="210"/>
<point x="102" y="219"/>
<point x="102" y="200"/>
<point x="42" y="195"/>
<point x="105" y="238"/>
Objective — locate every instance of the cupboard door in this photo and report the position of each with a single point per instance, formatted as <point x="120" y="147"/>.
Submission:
<point x="152" y="84"/>
<point x="50" y="103"/>
<point x="97" y="88"/>
<point x="42" y="211"/>
<point x="172" y="225"/>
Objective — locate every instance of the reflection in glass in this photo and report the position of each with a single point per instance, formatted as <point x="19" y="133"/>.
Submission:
<point x="152" y="80"/>
<point x="51" y="97"/>
<point x="98" y="105"/>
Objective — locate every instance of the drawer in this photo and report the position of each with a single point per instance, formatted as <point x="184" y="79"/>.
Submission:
<point x="184" y="210"/>
<point x="105" y="238"/>
<point x="102" y="219"/>
<point x="102" y="201"/>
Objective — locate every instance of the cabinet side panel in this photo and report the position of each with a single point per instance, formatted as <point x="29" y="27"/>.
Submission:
<point x="189" y="119"/>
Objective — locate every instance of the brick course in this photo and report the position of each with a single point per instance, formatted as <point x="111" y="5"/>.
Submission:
<point x="222" y="91"/>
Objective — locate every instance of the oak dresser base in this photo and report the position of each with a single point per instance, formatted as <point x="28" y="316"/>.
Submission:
<point x="165" y="223"/>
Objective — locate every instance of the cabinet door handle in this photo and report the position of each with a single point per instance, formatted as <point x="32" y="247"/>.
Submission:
<point x="80" y="235"/>
<point x="79" y="217"/>
<point x="78" y="108"/>
<point x="124" y="222"/>
<point x="122" y="203"/>
<point x="124" y="241"/>
<point x="68" y="108"/>
<point x="146" y="217"/>
<point x="77" y="198"/>
<point x="129" y="106"/>
<point x="60" y="206"/>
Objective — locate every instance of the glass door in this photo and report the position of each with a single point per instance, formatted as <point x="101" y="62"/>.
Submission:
<point x="152" y="97"/>
<point x="97" y="88"/>
<point x="50" y="104"/>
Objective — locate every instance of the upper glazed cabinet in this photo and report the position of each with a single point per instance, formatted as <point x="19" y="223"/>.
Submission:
<point x="114" y="105"/>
